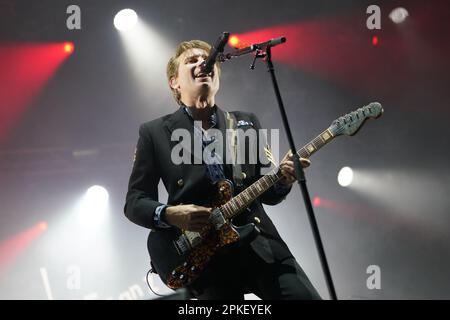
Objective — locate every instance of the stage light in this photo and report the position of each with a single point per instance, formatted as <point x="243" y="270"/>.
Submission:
<point x="25" y="69"/>
<point x="125" y="19"/>
<point x="375" y="40"/>
<point x="234" y="41"/>
<point x="96" y="198"/>
<point x="93" y="206"/>
<point x="11" y="248"/>
<point x="147" y="65"/>
<point x="316" y="201"/>
<point x="398" y="15"/>
<point x="68" y="47"/>
<point x="345" y="176"/>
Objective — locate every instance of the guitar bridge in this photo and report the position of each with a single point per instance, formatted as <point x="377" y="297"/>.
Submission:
<point x="187" y="241"/>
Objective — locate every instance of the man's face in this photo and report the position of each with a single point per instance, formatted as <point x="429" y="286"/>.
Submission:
<point x="190" y="81"/>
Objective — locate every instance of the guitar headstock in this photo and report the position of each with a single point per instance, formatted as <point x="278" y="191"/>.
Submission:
<point x="350" y="123"/>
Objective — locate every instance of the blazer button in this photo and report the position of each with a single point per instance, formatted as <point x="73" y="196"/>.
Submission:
<point x="180" y="183"/>
<point x="244" y="175"/>
<point x="257" y="220"/>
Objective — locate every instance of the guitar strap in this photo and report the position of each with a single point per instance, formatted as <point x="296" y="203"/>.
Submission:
<point x="231" y="124"/>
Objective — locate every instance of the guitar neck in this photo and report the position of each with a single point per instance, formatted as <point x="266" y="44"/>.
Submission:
<point x="246" y="197"/>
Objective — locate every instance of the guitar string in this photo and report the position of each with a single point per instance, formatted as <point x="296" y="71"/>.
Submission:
<point x="246" y="203"/>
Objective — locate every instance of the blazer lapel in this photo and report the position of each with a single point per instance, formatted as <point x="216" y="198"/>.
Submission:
<point x="180" y="120"/>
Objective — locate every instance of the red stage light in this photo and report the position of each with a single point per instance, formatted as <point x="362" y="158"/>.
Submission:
<point x="234" y="41"/>
<point x="375" y="40"/>
<point x="68" y="47"/>
<point x="13" y="247"/>
<point x="316" y="201"/>
<point x="25" y="69"/>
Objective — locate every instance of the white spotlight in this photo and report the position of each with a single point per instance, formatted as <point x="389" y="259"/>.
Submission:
<point x="96" y="198"/>
<point x="345" y="176"/>
<point x="398" y="15"/>
<point x="93" y="206"/>
<point x="125" y="19"/>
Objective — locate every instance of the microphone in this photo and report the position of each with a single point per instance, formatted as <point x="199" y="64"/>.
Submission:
<point x="217" y="49"/>
<point x="254" y="47"/>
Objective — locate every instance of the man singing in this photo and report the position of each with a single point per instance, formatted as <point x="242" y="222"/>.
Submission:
<point x="264" y="266"/>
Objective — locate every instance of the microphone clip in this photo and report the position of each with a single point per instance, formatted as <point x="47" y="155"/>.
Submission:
<point x="259" y="54"/>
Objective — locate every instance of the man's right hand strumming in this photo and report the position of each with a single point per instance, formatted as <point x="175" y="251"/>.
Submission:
<point x="188" y="216"/>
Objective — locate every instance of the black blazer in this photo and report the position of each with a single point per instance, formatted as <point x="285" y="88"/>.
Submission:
<point x="189" y="184"/>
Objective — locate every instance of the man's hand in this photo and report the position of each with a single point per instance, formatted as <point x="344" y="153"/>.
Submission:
<point x="287" y="168"/>
<point x="188" y="216"/>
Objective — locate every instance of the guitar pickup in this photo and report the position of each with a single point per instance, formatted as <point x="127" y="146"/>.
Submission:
<point x="217" y="219"/>
<point x="182" y="245"/>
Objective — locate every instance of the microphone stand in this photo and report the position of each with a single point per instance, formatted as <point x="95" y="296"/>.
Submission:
<point x="301" y="180"/>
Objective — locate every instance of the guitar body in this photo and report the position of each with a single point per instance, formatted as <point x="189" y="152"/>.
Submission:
<point x="180" y="257"/>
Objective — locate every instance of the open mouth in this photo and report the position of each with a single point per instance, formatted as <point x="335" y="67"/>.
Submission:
<point x="202" y="75"/>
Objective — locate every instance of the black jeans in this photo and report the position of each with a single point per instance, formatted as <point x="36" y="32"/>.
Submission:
<point x="240" y="271"/>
